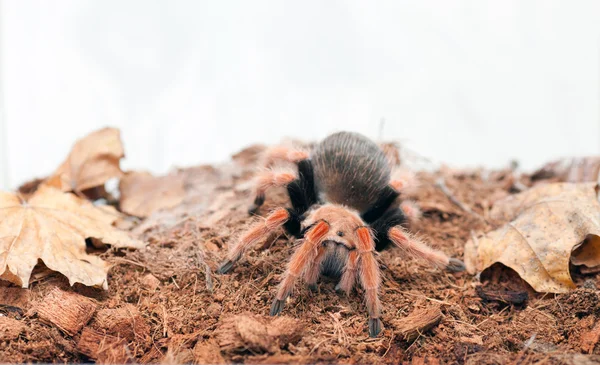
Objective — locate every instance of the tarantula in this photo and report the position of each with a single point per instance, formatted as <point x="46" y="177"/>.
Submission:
<point x="345" y="207"/>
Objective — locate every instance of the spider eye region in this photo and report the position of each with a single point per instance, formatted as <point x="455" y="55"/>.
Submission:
<point x="340" y="233"/>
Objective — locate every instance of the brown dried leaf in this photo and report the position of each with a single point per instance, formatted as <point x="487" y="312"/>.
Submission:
<point x="52" y="226"/>
<point x="143" y="194"/>
<point x="575" y="169"/>
<point x="93" y="160"/>
<point x="555" y="224"/>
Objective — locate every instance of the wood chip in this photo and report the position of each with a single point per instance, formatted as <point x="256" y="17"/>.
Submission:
<point x="504" y="296"/>
<point x="124" y="322"/>
<point x="67" y="311"/>
<point x="590" y="338"/>
<point x="105" y="349"/>
<point x="257" y="333"/>
<point x="418" y="322"/>
<point x="150" y="282"/>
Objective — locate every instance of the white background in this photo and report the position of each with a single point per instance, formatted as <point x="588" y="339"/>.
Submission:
<point x="189" y="82"/>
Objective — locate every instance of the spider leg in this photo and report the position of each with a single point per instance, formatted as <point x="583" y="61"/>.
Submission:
<point x="313" y="271"/>
<point x="413" y="247"/>
<point x="284" y="153"/>
<point x="349" y="275"/>
<point x="301" y="190"/>
<point x="275" y="220"/>
<point x="265" y="181"/>
<point x="411" y="210"/>
<point x="305" y="253"/>
<point x="369" y="278"/>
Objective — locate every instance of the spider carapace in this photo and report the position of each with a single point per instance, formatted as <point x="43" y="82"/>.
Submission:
<point x="345" y="207"/>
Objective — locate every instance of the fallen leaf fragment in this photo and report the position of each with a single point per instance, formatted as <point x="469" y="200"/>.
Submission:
<point x="552" y="225"/>
<point x="93" y="160"/>
<point x="143" y="194"/>
<point x="575" y="169"/>
<point x="52" y="226"/>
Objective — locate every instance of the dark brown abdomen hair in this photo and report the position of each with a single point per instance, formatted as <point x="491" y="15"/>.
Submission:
<point x="350" y="169"/>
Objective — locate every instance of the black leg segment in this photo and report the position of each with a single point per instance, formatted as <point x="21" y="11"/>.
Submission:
<point x="393" y="217"/>
<point x="386" y="199"/>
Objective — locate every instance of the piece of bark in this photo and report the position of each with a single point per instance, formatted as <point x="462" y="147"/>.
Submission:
<point x="503" y="296"/>
<point x="418" y="322"/>
<point x="590" y="338"/>
<point x="103" y="348"/>
<point x="257" y="333"/>
<point x="10" y="329"/>
<point x="67" y="311"/>
<point x="125" y="322"/>
<point x="14" y="297"/>
<point x="150" y="282"/>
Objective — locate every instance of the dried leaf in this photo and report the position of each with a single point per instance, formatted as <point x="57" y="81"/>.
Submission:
<point x="556" y="224"/>
<point x="52" y="226"/>
<point x="143" y="194"/>
<point x="575" y="169"/>
<point x="93" y="160"/>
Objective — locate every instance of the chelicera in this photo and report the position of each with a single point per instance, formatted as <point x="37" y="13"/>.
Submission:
<point x="345" y="208"/>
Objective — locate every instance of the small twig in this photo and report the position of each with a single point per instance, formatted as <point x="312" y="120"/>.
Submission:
<point x="120" y="260"/>
<point x="164" y="321"/>
<point x="441" y="184"/>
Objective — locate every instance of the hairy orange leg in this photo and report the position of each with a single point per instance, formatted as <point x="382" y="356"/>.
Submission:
<point x="267" y="180"/>
<point x="369" y="278"/>
<point x="349" y="275"/>
<point x="413" y="247"/>
<point x="274" y="221"/>
<point x="305" y="253"/>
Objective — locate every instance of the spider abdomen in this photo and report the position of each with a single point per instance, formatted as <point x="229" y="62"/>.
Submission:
<point x="350" y="170"/>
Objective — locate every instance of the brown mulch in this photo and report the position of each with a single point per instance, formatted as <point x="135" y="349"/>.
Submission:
<point x="166" y="304"/>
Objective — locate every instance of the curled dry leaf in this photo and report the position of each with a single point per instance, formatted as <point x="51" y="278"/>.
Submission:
<point x="52" y="226"/>
<point x="576" y="169"/>
<point x="93" y="160"/>
<point x="143" y="194"/>
<point x="555" y="224"/>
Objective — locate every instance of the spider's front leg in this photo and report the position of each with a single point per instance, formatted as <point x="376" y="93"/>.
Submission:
<point x="349" y="275"/>
<point x="279" y="218"/>
<point x="305" y="254"/>
<point x="370" y="278"/>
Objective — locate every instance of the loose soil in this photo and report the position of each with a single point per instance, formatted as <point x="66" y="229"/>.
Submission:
<point x="165" y="303"/>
